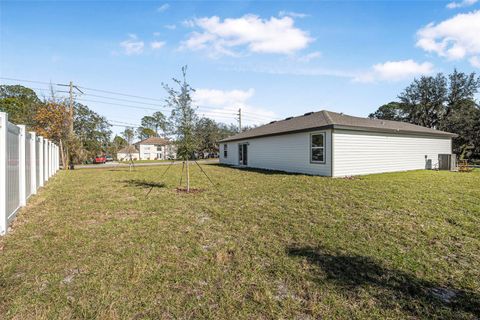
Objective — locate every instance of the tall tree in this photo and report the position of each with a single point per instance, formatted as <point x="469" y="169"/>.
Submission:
<point x="21" y="104"/>
<point x="144" y="133"/>
<point x="391" y="111"/>
<point x="445" y="103"/>
<point x="51" y="122"/>
<point x="423" y="100"/>
<point x="92" y="131"/>
<point x="156" y="122"/>
<point x="183" y="119"/>
<point x="128" y="134"/>
<point x="207" y="134"/>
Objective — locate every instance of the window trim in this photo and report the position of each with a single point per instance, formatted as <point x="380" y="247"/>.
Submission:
<point x="225" y="150"/>
<point x="323" y="133"/>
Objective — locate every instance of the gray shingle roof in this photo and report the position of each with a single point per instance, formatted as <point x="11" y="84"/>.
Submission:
<point x="328" y="120"/>
<point x="153" y="140"/>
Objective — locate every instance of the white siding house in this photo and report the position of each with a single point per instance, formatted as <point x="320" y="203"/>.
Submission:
<point x="156" y="148"/>
<point x="331" y="144"/>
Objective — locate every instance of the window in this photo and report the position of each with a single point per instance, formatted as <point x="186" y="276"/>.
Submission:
<point x="317" y="147"/>
<point x="225" y="150"/>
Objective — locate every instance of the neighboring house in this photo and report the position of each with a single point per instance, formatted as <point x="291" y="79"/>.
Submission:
<point x="333" y="144"/>
<point x="127" y="152"/>
<point x="156" y="148"/>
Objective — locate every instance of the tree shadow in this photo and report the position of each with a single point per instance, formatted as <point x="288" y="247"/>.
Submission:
<point x="391" y="288"/>
<point x="144" y="184"/>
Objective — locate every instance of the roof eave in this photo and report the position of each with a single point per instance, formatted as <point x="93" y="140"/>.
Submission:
<point x="387" y="130"/>
<point x="353" y="128"/>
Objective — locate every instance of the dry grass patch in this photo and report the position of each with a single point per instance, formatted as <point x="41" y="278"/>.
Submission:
<point x="260" y="245"/>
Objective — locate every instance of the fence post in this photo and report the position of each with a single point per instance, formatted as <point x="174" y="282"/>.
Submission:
<point x="33" y="161"/>
<point x="56" y="158"/>
<point x="50" y="153"/>
<point x="22" y="194"/>
<point x="3" y="172"/>
<point x="40" y="165"/>
<point x="45" y="160"/>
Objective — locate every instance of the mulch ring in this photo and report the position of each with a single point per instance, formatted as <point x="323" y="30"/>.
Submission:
<point x="192" y="190"/>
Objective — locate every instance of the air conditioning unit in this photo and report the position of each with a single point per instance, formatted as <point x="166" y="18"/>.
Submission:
<point x="447" y="162"/>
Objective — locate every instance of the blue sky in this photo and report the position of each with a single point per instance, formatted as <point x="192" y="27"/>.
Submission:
<point x="273" y="59"/>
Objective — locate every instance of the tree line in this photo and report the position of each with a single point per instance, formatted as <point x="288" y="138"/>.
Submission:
<point x="441" y="102"/>
<point x="92" y="133"/>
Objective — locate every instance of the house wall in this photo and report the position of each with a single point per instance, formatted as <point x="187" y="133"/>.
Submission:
<point x="125" y="156"/>
<point x="289" y="152"/>
<point x="157" y="152"/>
<point x="357" y="153"/>
<point x="149" y="152"/>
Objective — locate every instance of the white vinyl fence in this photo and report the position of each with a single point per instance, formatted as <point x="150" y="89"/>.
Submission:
<point x="27" y="161"/>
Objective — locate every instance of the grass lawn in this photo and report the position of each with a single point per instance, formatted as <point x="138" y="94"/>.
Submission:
<point x="259" y="246"/>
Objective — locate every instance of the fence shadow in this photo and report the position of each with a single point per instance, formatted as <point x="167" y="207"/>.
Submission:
<point x="389" y="287"/>
<point x="144" y="184"/>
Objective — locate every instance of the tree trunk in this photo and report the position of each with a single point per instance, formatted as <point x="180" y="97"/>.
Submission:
<point x="188" y="179"/>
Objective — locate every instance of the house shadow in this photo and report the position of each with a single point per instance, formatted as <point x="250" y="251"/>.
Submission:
<point x="390" y="288"/>
<point x="144" y="184"/>
<point x="259" y="170"/>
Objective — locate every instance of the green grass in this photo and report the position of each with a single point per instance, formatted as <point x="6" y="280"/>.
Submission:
<point x="259" y="246"/>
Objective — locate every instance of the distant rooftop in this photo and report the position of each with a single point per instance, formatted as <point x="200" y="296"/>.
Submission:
<point x="332" y="120"/>
<point x="128" y="149"/>
<point x="154" y="140"/>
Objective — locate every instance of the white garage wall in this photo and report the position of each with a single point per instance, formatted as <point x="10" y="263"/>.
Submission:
<point x="357" y="153"/>
<point x="289" y="152"/>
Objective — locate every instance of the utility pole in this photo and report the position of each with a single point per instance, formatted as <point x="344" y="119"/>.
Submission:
<point x="70" y="116"/>
<point x="239" y="119"/>
<point x="71" y="107"/>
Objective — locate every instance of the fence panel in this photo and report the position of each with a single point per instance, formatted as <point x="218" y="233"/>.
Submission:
<point x="37" y="160"/>
<point x="13" y="172"/>
<point x="26" y="162"/>
<point x="28" y="169"/>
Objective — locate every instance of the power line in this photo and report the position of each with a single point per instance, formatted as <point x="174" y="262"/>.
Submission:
<point x="30" y="81"/>
<point x="215" y="111"/>
<point x="122" y="94"/>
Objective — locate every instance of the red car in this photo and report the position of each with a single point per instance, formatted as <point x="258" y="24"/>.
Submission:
<point x="100" y="159"/>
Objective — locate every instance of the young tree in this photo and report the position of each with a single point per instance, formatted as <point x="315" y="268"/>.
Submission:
<point x="183" y="119"/>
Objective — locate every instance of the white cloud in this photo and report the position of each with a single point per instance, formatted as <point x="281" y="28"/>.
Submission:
<point x="214" y="97"/>
<point x="164" y="7"/>
<point x="132" y="46"/>
<point x="171" y="26"/>
<point x="395" y="71"/>
<point x="292" y="14"/>
<point x="455" y="38"/>
<point x="222" y="105"/>
<point x="461" y="4"/>
<point x="157" y="44"/>
<point x="274" y="35"/>
<point x="310" y="56"/>
<point x="475" y="61"/>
